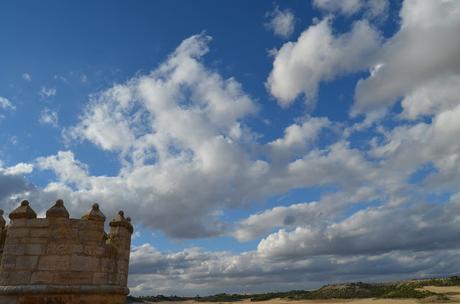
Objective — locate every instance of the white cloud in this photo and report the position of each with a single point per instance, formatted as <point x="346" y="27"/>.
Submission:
<point x="282" y="22"/>
<point x="47" y="92"/>
<point x="319" y="55"/>
<point x="416" y="59"/>
<point x="49" y="117"/>
<point x="371" y="8"/>
<point x="26" y="77"/>
<point x="442" y="93"/>
<point x="186" y="153"/>
<point x="415" y="227"/>
<point x="6" y="104"/>
<point x="298" y="136"/>
<point x="155" y="272"/>
<point x="18" y="169"/>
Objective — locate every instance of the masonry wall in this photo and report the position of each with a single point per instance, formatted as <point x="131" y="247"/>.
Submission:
<point x="54" y="254"/>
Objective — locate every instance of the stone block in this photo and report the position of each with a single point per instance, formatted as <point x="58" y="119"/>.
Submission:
<point x="108" y="265"/>
<point x="100" y="278"/>
<point x="15" y="277"/>
<point x="18" y="232"/>
<point x="38" y="223"/>
<point x="14" y="249"/>
<point x="33" y="240"/>
<point x="122" y="266"/>
<point x="122" y="279"/>
<point x="26" y="262"/>
<point x="94" y="250"/>
<point x="74" y="278"/>
<point x="84" y="263"/>
<point x="54" y="262"/>
<point x="42" y="277"/>
<point x="91" y="237"/>
<point x="64" y="249"/>
<point x="8" y="262"/>
<point x="40" y="232"/>
<point x="20" y="222"/>
<point x="35" y="249"/>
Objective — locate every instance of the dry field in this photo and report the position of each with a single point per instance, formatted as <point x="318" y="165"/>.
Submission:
<point x="452" y="292"/>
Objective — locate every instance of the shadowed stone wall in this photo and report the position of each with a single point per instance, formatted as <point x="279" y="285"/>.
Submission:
<point x="60" y="260"/>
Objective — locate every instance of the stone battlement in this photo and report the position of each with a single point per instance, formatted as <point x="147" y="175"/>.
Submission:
<point x="61" y="260"/>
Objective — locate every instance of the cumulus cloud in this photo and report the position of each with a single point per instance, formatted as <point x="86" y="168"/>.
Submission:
<point x="320" y="55"/>
<point x="6" y="104"/>
<point x="155" y="272"/>
<point x="420" y="227"/>
<point x="47" y="92"/>
<point x="371" y="8"/>
<point x="49" y="117"/>
<point x="186" y="153"/>
<point x="175" y="131"/>
<point x="298" y="138"/>
<point x="416" y="59"/>
<point x="18" y="169"/>
<point x="282" y="22"/>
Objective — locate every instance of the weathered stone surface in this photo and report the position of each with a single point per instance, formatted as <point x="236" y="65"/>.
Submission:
<point x="58" y="210"/>
<point x="42" y="277"/>
<point x="14" y="232"/>
<point x="62" y="260"/>
<point x="94" y="214"/>
<point x="15" y="277"/>
<point x="40" y="232"/>
<point x="2" y="219"/>
<point x="64" y="249"/>
<point x="108" y="265"/>
<point x="26" y="262"/>
<point x="34" y="249"/>
<point x="23" y="211"/>
<point x="100" y="278"/>
<point x="14" y="249"/>
<point x="38" y="222"/>
<point x="8" y="262"/>
<point x="54" y="262"/>
<point x="120" y="221"/>
<point x="84" y="263"/>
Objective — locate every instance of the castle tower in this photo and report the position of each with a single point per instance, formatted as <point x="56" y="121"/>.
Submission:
<point x="61" y="260"/>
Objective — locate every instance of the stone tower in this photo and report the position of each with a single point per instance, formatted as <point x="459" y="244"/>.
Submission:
<point x="60" y="260"/>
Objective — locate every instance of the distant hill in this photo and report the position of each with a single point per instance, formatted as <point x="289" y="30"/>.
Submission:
<point x="402" y="289"/>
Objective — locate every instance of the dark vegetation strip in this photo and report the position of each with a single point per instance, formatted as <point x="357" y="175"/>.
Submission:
<point x="404" y="289"/>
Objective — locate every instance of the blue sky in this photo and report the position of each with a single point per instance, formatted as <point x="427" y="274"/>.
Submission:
<point x="257" y="145"/>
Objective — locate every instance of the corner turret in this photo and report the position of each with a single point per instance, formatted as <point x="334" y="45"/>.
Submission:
<point x="59" y="259"/>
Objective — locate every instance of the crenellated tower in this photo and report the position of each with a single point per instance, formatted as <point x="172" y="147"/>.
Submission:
<point x="62" y="260"/>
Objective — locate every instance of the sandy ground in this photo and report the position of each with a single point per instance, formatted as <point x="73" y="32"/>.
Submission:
<point x="453" y="292"/>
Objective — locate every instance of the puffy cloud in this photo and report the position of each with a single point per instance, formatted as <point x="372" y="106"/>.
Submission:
<point x="418" y="227"/>
<point x="13" y="184"/>
<point x="417" y="59"/>
<point x="328" y="209"/>
<point x="175" y="132"/>
<point x="47" y="92"/>
<point x="282" y="22"/>
<point x="49" y="117"/>
<point x="155" y="272"/>
<point x="319" y="55"/>
<point x="371" y="8"/>
<point x="18" y="169"/>
<point x="439" y="94"/>
<point x="298" y="136"/>
<point x="6" y="104"/>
